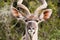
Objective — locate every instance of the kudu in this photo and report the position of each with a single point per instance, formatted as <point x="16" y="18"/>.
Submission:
<point x="31" y="20"/>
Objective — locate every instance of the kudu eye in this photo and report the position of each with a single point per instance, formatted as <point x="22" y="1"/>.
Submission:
<point x="36" y="20"/>
<point x="26" y="20"/>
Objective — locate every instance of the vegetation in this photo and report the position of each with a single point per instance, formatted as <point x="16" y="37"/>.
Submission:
<point x="11" y="29"/>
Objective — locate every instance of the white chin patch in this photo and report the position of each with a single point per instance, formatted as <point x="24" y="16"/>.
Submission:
<point x="31" y="33"/>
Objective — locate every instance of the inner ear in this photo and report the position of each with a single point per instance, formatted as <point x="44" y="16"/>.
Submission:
<point x="46" y="14"/>
<point x="15" y="12"/>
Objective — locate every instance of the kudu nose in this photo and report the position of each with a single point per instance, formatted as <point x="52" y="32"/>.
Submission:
<point x="30" y="23"/>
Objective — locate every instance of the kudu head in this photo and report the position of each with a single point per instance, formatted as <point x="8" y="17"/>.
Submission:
<point x="31" y="20"/>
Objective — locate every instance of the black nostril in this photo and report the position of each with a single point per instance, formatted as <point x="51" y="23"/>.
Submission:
<point x="32" y="28"/>
<point x="29" y="28"/>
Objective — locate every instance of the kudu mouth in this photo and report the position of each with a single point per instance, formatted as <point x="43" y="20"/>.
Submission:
<point x="31" y="27"/>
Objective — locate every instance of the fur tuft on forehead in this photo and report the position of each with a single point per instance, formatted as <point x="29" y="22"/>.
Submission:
<point x="32" y="17"/>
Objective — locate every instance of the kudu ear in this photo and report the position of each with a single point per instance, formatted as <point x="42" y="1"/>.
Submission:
<point x="16" y="13"/>
<point x="45" y="14"/>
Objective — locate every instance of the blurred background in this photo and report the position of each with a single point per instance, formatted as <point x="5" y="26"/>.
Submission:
<point x="11" y="29"/>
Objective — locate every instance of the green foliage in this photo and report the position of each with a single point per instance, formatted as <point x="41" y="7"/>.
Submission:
<point x="2" y="3"/>
<point x="11" y="29"/>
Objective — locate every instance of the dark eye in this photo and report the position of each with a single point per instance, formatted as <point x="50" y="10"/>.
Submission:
<point x="26" y="20"/>
<point x="36" y="20"/>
